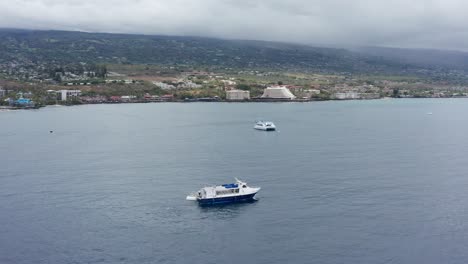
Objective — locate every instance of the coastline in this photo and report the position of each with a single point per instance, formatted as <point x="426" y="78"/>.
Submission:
<point x="204" y="100"/>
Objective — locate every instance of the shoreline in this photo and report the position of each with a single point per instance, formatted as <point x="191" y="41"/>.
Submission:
<point x="14" y="108"/>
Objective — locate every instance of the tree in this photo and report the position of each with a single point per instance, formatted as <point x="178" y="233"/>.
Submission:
<point x="58" y="77"/>
<point x="244" y="87"/>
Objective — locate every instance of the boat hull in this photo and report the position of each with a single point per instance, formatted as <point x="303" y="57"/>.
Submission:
<point x="265" y="129"/>
<point x="227" y="200"/>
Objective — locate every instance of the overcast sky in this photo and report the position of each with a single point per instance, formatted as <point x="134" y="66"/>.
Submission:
<point x="403" y="23"/>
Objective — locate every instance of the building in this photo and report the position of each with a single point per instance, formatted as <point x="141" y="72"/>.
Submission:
<point x="65" y="94"/>
<point x="93" y="99"/>
<point x="295" y="88"/>
<point x="167" y="97"/>
<point x="238" y="95"/>
<point x="164" y="86"/>
<point x="311" y="93"/>
<point x="229" y="82"/>
<point x="24" y="102"/>
<point x="3" y="93"/>
<point x="115" y="99"/>
<point x="151" y="98"/>
<point x="189" y="85"/>
<point x="347" y="96"/>
<point x="128" y="98"/>
<point x="278" y="92"/>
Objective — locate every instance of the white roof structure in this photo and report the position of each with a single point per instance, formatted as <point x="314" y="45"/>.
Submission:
<point x="278" y="92"/>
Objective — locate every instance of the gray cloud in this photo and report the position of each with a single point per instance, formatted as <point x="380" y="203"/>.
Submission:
<point x="401" y="23"/>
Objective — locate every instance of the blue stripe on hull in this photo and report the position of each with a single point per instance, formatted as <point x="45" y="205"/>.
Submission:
<point x="227" y="200"/>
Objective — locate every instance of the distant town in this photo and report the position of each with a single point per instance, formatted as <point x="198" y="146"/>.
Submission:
<point x="168" y="84"/>
<point x="40" y="68"/>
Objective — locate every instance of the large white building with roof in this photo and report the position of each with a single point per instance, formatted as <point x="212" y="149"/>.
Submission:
<point x="278" y="92"/>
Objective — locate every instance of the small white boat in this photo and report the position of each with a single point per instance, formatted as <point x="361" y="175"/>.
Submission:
<point x="224" y="194"/>
<point x="265" y="126"/>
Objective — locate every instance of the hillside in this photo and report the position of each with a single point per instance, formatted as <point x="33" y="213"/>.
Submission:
<point x="70" y="47"/>
<point x="419" y="57"/>
<point x="57" y="48"/>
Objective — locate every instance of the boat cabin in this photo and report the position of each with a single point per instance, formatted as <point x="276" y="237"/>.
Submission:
<point x="222" y="190"/>
<point x="229" y="191"/>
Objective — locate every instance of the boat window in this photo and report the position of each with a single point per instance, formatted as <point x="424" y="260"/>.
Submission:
<point x="226" y="191"/>
<point x="243" y="186"/>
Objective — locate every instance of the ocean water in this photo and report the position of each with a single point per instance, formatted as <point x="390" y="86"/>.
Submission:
<point x="342" y="182"/>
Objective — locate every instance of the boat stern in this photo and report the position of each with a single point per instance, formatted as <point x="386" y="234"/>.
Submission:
<point x="191" y="197"/>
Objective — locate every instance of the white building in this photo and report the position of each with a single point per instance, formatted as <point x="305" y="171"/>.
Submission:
<point x="164" y="86"/>
<point x="278" y="92"/>
<point x="229" y="82"/>
<point x="64" y="94"/>
<point x="127" y="97"/>
<point x="311" y="92"/>
<point x="347" y="96"/>
<point x="237" y="95"/>
<point x="189" y="85"/>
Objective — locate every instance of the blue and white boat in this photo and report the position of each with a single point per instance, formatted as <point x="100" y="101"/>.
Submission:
<point x="225" y="194"/>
